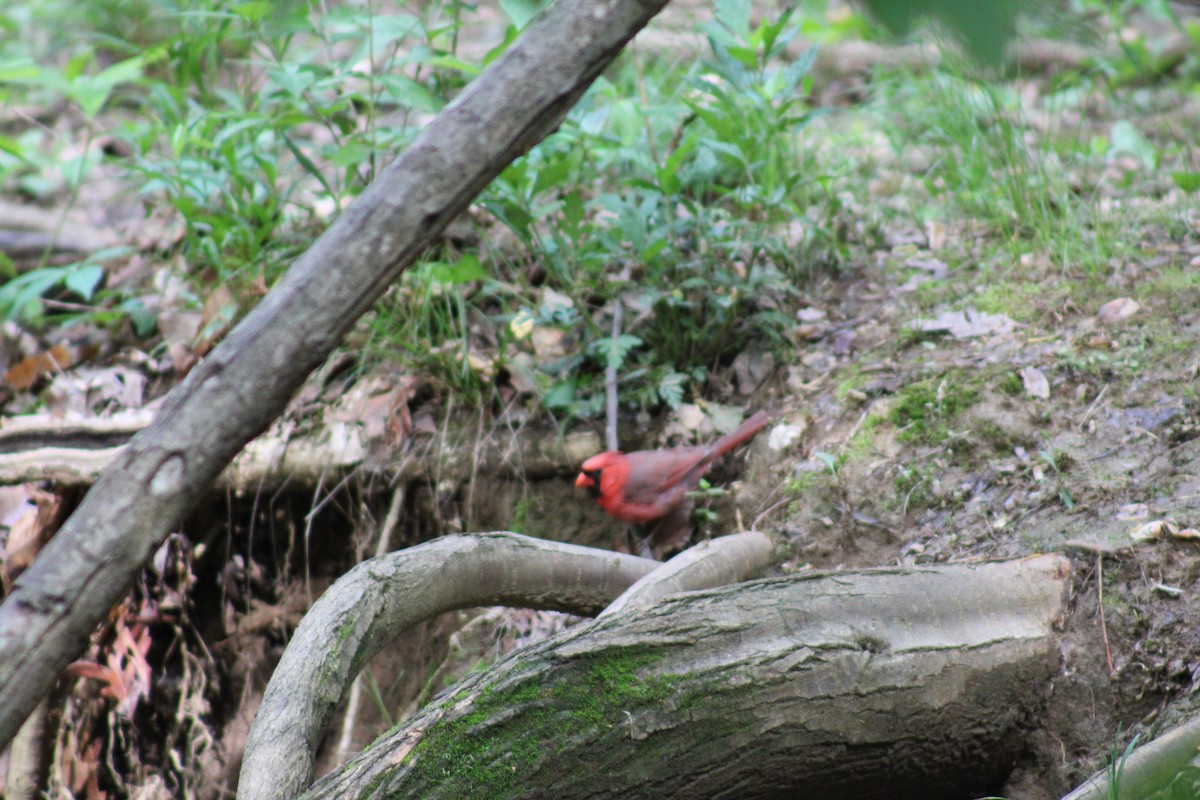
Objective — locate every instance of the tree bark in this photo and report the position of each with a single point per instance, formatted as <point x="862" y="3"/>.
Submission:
<point x="373" y="603"/>
<point x="74" y="453"/>
<point x="231" y="396"/>
<point x="887" y="683"/>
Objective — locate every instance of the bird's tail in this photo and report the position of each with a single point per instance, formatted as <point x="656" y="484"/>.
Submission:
<point x="736" y="438"/>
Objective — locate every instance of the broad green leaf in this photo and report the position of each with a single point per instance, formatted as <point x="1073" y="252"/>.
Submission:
<point x="1188" y="181"/>
<point x="84" y="280"/>
<point x="522" y="12"/>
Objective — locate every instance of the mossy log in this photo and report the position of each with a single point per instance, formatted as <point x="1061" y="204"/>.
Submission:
<point x="885" y="683"/>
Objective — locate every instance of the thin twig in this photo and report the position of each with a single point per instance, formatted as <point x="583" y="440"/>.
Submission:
<point x="641" y="85"/>
<point x="390" y="521"/>
<point x="610" y="372"/>
<point x="1103" y="624"/>
<point x="610" y="382"/>
<point x="759" y="518"/>
<point x="1092" y="407"/>
<point x="354" y="701"/>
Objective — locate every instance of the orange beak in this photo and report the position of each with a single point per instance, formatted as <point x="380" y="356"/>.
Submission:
<point x="583" y="481"/>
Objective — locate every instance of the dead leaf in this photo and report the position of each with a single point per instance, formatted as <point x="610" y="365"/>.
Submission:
<point x="966" y="324"/>
<point x="1133" y="511"/>
<point x="784" y="436"/>
<point x="1035" y="383"/>
<point x="935" y="231"/>
<point x="1186" y="534"/>
<point x="724" y="418"/>
<point x="549" y="344"/>
<point x="219" y="314"/>
<point x="809" y="333"/>
<point x="179" y="328"/>
<point x="26" y="372"/>
<point x="1117" y="310"/>
<point x="752" y="369"/>
<point x="87" y="391"/>
<point x="690" y="417"/>
<point x="555" y="302"/>
<point x="1155" y="529"/>
<point x="843" y="342"/>
<point x="30" y="525"/>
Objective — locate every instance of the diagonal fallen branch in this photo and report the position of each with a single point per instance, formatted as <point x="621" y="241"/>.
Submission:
<point x="234" y="393"/>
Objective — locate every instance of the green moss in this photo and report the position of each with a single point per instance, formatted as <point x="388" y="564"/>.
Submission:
<point x="1011" y="384"/>
<point x="863" y="440"/>
<point x="852" y="379"/>
<point x="996" y="436"/>
<point x="913" y="489"/>
<point x="923" y="410"/>
<point x="1018" y="300"/>
<point x="806" y="482"/>
<point x="481" y="753"/>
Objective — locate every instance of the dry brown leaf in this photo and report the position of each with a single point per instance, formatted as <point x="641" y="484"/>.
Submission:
<point x="1117" y="310"/>
<point x="31" y="524"/>
<point x="936" y="233"/>
<point x="102" y="390"/>
<point x="549" y="344"/>
<point x="1035" y="383"/>
<point x="752" y="369"/>
<point x="1155" y="529"/>
<point x="966" y="324"/>
<point x="25" y="373"/>
<point x="219" y="313"/>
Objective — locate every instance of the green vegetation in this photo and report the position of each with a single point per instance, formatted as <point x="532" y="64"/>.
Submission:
<point x="479" y="754"/>
<point x="687" y="192"/>
<point x="923" y="411"/>
<point x="674" y="189"/>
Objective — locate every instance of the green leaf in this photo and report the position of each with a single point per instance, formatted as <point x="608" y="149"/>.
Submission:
<point x="561" y="396"/>
<point x="734" y="15"/>
<point x="615" y="350"/>
<point x="1188" y="181"/>
<point x="143" y="319"/>
<point x="670" y="388"/>
<point x="253" y="11"/>
<point x="573" y="210"/>
<point x="407" y="92"/>
<point x="91" y="91"/>
<point x="21" y="297"/>
<point x="522" y="12"/>
<point x="467" y="269"/>
<point x="83" y="281"/>
<point x="1127" y="139"/>
<point x="510" y="36"/>
<point x="308" y="165"/>
<point x="983" y="28"/>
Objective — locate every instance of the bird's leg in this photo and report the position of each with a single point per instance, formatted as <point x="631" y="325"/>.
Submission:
<point x="668" y="533"/>
<point x="638" y="537"/>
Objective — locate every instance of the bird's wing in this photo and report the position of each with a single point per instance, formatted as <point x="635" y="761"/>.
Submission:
<point x="654" y="473"/>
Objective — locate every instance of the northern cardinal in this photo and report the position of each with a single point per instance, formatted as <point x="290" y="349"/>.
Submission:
<point x="649" y="487"/>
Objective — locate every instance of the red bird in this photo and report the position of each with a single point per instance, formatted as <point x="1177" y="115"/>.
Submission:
<point x="649" y="487"/>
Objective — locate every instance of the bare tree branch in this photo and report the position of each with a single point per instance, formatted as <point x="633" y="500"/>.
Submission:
<point x="716" y="562"/>
<point x="374" y="602"/>
<point x="231" y="396"/>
